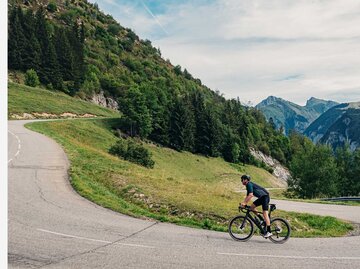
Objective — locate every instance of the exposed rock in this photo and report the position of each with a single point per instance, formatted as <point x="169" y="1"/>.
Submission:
<point x="280" y="171"/>
<point x="101" y="100"/>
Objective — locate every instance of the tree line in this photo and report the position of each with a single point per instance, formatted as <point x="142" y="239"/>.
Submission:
<point x="198" y="123"/>
<point x="55" y="53"/>
<point x="319" y="171"/>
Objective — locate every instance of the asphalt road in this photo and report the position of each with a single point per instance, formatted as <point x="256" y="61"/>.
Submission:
<point x="50" y="226"/>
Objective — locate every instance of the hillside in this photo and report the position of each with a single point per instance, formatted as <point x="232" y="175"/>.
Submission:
<point x="292" y="116"/>
<point x="75" y="48"/>
<point x="337" y="126"/>
<point x="180" y="181"/>
<point x="182" y="188"/>
<point x="28" y="102"/>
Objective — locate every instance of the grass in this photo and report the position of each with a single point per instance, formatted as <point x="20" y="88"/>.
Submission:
<point x="182" y="188"/>
<point x="25" y="99"/>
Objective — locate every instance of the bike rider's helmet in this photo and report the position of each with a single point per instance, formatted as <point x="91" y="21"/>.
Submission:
<point x="243" y="177"/>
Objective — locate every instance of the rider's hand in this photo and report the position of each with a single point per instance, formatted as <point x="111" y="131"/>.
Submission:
<point x="242" y="204"/>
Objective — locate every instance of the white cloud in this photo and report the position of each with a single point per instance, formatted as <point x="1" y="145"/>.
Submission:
<point x="253" y="49"/>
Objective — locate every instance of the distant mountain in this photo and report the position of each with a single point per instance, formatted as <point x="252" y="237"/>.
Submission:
<point x="292" y="116"/>
<point x="337" y="126"/>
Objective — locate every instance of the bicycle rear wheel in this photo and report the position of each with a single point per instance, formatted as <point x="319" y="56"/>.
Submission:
<point x="280" y="229"/>
<point x="241" y="228"/>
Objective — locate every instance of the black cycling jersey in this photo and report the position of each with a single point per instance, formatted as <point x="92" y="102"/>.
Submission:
<point x="257" y="190"/>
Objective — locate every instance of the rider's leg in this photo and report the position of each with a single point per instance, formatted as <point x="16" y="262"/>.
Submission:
<point x="266" y="217"/>
<point x="253" y="208"/>
<point x="265" y="207"/>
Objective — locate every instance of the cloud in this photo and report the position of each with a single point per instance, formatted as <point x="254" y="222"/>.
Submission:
<point x="253" y="49"/>
<point x="154" y="17"/>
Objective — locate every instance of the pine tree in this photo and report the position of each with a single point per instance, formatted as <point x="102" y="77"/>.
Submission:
<point x="64" y="55"/>
<point x="77" y="39"/>
<point x="32" y="57"/>
<point x="190" y="125"/>
<point x="16" y="40"/>
<point x="177" y="125"/>
<point x="202" y="140"/>
<point x="50" y="67"/>
<point x="43" y="37"/>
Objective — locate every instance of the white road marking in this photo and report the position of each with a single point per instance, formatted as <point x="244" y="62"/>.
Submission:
<point x="95" y="240"/>
<point x="19" y="145"/>
<point x="289" y="257"/>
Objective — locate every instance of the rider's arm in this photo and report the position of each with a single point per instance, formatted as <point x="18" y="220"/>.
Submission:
<point x="248" y="198"/>
<point x="249" y="193"/>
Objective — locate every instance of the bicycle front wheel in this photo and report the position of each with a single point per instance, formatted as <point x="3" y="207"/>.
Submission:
<point x="280" y="229"/>
<point x="241" y="228"/>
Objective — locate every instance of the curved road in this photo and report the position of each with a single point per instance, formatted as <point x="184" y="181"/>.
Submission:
<point x="50" y="226"/>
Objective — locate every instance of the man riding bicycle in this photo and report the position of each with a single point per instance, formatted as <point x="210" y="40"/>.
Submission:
<point x="263" y="200"/>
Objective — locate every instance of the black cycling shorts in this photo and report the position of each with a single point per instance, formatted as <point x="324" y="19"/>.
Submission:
<point x="264" y="201"/>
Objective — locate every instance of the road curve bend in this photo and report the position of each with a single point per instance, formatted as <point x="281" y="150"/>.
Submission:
<point x="51" y="226"/>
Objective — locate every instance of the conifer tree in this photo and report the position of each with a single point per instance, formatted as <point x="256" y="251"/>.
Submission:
<point x="190" y="125"/>
<point x="16" y="40"/>
<point x="64" y="54"/>
<point x="77" y="39"/>
<point x="32" y="56"/>
<point x="203" y="125"/>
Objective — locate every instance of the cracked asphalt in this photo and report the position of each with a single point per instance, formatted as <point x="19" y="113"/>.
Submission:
<point x="51" y="226"/>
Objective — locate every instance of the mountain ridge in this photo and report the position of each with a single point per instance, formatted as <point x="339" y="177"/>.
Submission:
<point x="293" y="116"/>
<point x="338" y="126"/>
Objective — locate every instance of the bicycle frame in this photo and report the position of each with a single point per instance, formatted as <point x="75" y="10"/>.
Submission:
<point x="252" y="218"/>
<point x="250" y="213"/>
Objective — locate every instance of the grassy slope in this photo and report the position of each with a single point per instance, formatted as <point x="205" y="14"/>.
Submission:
<point x="24" y="99"/>
<point x="182" y="188"/>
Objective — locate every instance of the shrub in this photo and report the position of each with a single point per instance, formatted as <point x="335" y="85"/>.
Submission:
<point x="133" y="152"/>
<point x="52" y="7"/>
<point x="119" y="149"/>
<point x="31" y="78"/>
<point x="114" y="29"/>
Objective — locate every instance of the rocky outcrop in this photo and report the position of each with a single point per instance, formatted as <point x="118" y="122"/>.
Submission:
<point x="280" y="171"/>
<point x="101" y="100"/>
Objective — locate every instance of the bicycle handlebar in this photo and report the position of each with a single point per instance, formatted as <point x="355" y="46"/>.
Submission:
<point x="243" y="208"/>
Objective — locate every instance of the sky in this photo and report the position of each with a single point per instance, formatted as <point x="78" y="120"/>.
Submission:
<point x="252" y="49"/>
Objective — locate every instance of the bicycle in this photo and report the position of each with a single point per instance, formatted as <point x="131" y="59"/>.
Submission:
<point x="241" y="228"/>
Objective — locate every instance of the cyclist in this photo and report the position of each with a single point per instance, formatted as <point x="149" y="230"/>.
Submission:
<point x="263" y="199"/>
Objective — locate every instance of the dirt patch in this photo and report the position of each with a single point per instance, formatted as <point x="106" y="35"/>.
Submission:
<point x="44" y="115"/>
<point x="356" y="231"/>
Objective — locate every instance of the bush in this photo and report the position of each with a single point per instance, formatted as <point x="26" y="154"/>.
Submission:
<point x="133" y="152"/>
<point x="31" y="78"/>
<point x="52" y="7"/>
<point x="114" y="29"/>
